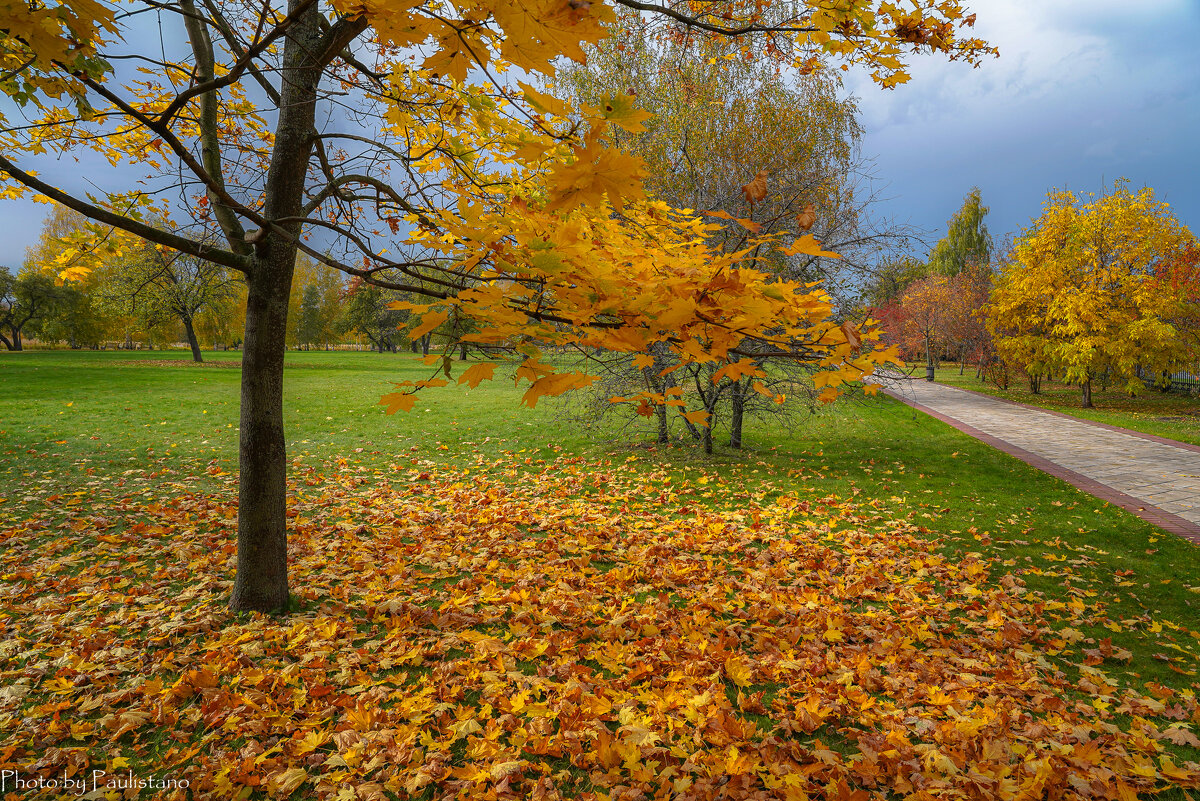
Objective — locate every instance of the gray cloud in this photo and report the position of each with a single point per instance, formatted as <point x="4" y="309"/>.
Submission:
<point x="1085" y="91"/>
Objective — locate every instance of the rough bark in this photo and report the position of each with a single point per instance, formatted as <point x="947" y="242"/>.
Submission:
<point x="1086" y="386"/>
<point x="262" y="583"/>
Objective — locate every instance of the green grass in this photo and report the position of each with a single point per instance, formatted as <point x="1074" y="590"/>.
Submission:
<point x="1174" y="415"/>
<point x="72" y="419"/>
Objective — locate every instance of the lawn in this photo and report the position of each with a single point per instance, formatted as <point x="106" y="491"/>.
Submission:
<point x="490" y="602"/>
<point x="1174" y="415"/>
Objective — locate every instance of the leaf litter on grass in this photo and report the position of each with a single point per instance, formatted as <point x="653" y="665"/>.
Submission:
<point x="573" y="629"/>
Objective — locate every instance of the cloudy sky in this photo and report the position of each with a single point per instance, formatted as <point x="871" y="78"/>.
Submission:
<point x="1084" y="92"/>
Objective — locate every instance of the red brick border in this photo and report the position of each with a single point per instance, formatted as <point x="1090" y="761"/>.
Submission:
<point x="1151" y="514"/>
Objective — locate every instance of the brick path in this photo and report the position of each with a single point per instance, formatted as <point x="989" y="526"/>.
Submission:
<point x="1157" y="479"/>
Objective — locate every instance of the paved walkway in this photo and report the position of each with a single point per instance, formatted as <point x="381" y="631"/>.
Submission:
<point x="1157" y="479"/>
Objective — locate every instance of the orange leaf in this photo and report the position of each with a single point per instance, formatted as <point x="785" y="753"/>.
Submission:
<point x="806" y="218"/>
<point x="808" y="246"/>
<point x="756" y="190"/>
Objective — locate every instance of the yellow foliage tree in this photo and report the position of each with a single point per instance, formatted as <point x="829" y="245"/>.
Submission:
<point x="1081" y="293"/>
<point x="493" y="199"/>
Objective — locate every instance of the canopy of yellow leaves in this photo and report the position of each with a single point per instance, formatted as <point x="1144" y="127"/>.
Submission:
<point x="1083" y="290"/>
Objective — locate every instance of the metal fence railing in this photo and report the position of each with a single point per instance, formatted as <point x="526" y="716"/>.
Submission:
<point x="1186" y="380"/>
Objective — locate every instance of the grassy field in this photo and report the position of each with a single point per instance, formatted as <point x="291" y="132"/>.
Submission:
<point x="115" y="465"/>
<point x="1173" y="415"/>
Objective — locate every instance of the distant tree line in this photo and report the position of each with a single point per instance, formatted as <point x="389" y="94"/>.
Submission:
<point x="145" y="295"/>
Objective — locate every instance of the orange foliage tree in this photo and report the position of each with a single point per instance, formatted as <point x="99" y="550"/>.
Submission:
<point x="395" y="138"/>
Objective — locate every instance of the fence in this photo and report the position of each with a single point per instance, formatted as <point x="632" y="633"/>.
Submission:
<point x="1186" y="380"/>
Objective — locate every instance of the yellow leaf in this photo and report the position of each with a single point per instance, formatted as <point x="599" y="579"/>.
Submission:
<point x="429" y="321"/>
<point x="553" y="385"/>
<point x="476" y="373"/>
<point x="398" y="401"/>
<point x="284" y="783"/>
<point x="547" y="104"/>
<point x="623" y="111"/>
<point x="738" y="671"/>
<point x="808" y="246"/>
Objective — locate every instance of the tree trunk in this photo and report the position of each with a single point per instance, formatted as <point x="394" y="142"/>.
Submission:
<point x="16" y="340"/>
<point x="708" y="437"/>
<point x="664" y="431"/>
<point x="7" y="343"/>
<point x="416" y="346"/>
<point x="425" y="342"/>
<point x="462" y="351"/>
<point x="928" y="360"/>
<point x="738" y="400"/>
<point x="1086" y="386"/>
<point x="194" y="343"/>
<point x="262" y="581"/>
<point x="1035" y="383"/>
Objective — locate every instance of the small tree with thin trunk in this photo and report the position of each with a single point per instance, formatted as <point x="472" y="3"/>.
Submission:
<point x="155" y="286"/>
<point x="925" y="310"/>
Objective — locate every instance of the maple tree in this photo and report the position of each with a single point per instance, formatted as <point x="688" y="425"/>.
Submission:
<point x="1083" y="292"/>
<point x="485" y="196"/>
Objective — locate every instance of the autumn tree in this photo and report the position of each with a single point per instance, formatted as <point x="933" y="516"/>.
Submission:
<point x="74" y="317"/>
<point x="368" y="312"/>
<point x="325" y="289"/>
<point x="1080" y="293"/>
<point x="966" y="314"/>
<point x="435" y="166"/>
<point x="158" y="286"/>
<point x="26" y="300"/>
<point x="925" y="313"/>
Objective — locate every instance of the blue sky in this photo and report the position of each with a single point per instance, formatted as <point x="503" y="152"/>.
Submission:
<point x="1084" y="92"/>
